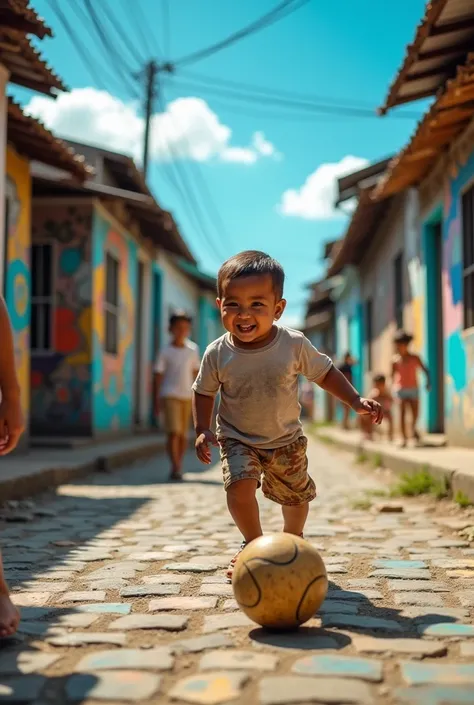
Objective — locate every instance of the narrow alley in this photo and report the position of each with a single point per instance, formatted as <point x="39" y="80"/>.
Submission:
<point x="120" y="579"/>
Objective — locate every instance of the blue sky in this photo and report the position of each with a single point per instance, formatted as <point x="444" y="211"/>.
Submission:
<point x="339" y="50"/>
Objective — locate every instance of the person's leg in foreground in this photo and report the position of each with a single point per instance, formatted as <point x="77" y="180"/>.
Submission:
<point x="11" y="428"/>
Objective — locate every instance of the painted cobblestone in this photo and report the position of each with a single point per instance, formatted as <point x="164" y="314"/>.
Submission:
<point x="124" y="598"/>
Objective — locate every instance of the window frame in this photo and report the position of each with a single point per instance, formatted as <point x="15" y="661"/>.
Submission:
<point x="369" y="330"/>
<point x="398" y="290"/>
<point x="112" y="308"/>
<point x="467" y="225"/>
<point x="43" y="300"/>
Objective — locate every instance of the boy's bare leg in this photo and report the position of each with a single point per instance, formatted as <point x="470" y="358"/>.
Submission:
<point x="183" y="445"/>
<point x="9" y="615"/>
<point x="174" y="452"/>
<point x="389" y="418"/>
<point x="403" y="421"/>
<point x="294" y="517"/>
<point x="243" y="506"/>
<point x="415" y="407"/>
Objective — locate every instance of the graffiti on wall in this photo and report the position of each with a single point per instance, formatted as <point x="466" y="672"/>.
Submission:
<point x="113" y="374"/>
<point x="61" y="379"/>
<point x="458" y="344"/>
<point x="17" y="271"/>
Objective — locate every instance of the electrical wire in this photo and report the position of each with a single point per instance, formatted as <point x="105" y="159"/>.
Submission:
<point x="124" y="36"/>
<point x="265" y="91"/>
<point x="181" y="177"/>
<point x="118" y="61"/>
<point x="283" y="9"/>
<point x="307" y="106"/>
<point x="166" y="27"/>
<point x="81" y="48"/>
<point x="137" y="17"/>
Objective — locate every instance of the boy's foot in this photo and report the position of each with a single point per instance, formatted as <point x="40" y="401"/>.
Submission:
<point x="9" y="616"/>
<point x="233" y="561"/>
<point x="176" y="477"/>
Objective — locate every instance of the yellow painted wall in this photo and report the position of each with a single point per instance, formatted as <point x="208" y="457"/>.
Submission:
<point x="18" y="278"/>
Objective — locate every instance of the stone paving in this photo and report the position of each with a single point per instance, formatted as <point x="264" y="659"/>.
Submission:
<point x="121" y="583"/>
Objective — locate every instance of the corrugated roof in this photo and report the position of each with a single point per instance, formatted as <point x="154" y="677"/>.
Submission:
<point x="33" y="140"/>
<point x="445" y="120"/>
<point x="442" y="40"/>
<point x="19" y="15"/>
<point x="25" y="65"/>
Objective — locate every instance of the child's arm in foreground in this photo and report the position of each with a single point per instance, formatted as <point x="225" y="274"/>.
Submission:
<point x="203" y="407"/>
<point x="11" y="417"/>
<point x="336" y="384"/>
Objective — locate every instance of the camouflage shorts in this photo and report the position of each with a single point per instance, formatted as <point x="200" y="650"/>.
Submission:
<point x="285" y="470"/>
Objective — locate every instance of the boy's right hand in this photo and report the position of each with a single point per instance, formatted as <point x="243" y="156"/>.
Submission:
<point x="203" y="451"/>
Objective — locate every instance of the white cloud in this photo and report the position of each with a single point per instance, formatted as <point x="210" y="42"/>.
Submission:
<point x="314" y="200"/>
<point x="188" y="129"/>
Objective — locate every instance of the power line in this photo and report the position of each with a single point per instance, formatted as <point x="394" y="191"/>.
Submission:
<point x="283" y="9"/>
<point x="191" y="200"/>
<point x="264" y="90"/>
<point x="124" y="36"/>
<point x="81" y="48"/>
<point x="134" y="12"/>
<point x="166" y="27"/>
<point x="120" y="64"/>
<point x="306" y="105"/>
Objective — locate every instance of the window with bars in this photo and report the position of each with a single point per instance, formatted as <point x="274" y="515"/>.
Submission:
<point x="42" y="298"/>
<point x="368" y="332"/>
<point x="468" y="256"/>
<point x="111" y="304"/>
<point x="398" y="290"/>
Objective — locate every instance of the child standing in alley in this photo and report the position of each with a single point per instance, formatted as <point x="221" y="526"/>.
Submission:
<point x="255" y="366"/>
<point x="11" y="428"/>
<point x="381" y="393"/>
<point x="175" y="371"/>
<point x="405" y="369"/>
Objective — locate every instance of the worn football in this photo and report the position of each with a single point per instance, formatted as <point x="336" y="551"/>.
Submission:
<point x="279" y="581"/>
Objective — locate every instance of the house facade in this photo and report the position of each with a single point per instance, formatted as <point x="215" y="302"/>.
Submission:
<point x="411" y="236"/>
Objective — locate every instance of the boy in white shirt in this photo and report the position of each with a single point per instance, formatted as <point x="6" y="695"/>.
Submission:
<point x="175" y="371"/>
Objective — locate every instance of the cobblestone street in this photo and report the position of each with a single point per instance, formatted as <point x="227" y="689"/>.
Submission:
<point x="121" y="584"/>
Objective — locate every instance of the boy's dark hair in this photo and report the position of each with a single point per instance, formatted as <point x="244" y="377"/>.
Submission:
<point x="401" y="336"/>
<point x="251" y="263"/>
<point x="179" y="316"/>
<point x="379" y="379"/>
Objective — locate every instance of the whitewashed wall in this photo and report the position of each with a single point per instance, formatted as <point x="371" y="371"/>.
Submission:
<point x="179" y="292"/>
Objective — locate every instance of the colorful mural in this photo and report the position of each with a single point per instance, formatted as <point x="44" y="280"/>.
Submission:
<point x="113" y="374"/>
<point x="17" y="268"/>
<point x="61" y="381"/>
<point x="458" y="343"/>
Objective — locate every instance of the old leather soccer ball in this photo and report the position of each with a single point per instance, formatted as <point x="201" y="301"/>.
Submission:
<point x="279" y="581"/>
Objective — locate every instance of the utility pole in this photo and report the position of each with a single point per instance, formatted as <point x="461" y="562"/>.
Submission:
<point x="151" y="72"/>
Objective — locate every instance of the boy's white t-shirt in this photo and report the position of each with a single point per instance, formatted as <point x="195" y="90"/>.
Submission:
<point x="178" y="367"/>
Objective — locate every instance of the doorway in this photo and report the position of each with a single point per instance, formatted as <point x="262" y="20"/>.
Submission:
<point x="435" y="337"/>
<point x="139" y="370"/>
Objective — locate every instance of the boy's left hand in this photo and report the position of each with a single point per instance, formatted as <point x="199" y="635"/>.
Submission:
<point x="11" y="424"/>
<point x="369" y="407"/>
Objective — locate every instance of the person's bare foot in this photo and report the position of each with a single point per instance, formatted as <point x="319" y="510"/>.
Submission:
<point x="9" y="616"/>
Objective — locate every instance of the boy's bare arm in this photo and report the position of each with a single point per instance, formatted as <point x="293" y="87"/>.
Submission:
<point x="203" y="406"/>
<point x="426" y="371"/>
<point x="8" y="379"/>
<point x="339" y="386"/>
<point x="157" y="387"/>
<point x="11" y="417"/>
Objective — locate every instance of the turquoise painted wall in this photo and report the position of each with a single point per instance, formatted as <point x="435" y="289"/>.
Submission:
<point x="113" y="374"/>
<point x="209" y="324"/>
<point x="458" y="343"/>
<point x="350" y="331"/>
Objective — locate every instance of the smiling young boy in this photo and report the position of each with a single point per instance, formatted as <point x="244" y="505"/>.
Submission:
<point x="255" y="366"/>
